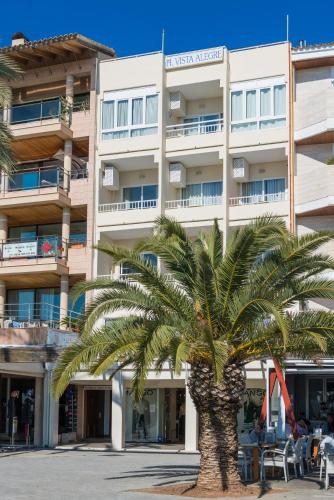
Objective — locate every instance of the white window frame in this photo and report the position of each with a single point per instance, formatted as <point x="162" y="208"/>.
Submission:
<point x="201" y="183"/>
<point x="128" y="95"/>
<point x="257" y="86"/>
<point x="263" y="182"/>
<point x="141" y="186"/>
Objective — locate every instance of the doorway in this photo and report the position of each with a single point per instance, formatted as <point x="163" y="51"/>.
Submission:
<point x="97" y="414"/>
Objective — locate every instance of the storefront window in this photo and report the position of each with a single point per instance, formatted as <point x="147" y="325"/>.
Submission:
<point x="142" y="417"/>
<point x="68" y="410"/>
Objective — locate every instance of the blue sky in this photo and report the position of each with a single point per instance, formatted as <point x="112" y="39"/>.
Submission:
<point x="134" y="27"/>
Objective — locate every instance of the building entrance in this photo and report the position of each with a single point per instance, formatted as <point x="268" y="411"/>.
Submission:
<point x="97" y="413"/>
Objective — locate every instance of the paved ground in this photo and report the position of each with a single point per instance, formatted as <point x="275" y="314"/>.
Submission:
<point x="67" y="475"/>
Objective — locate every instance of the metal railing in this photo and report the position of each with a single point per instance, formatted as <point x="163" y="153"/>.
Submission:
<point x="79" y="173"/>
<point x="37" y="178"/>
<point x="258" y="198"/>
<point x="40" y="247"/>
<point x="37" y="314"/>
<point x="195" y="128"/>
<point x="39" y="111"/>
<point x="199" y="201"/>
<point x="128" y="205"/>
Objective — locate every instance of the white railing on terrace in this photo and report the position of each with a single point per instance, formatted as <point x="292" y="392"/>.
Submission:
<point x="29" y="315"/>
<point x="200" y="201"/>
<point x="258" y="198"/>
<point x="127" y="205"/>
<point x="203" y="127"/>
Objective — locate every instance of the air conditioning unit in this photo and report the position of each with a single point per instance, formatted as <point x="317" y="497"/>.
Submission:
<point x="177" y="104"/>
<point x="240" y="170"/>
<point x="177" y="175"/>
<point x="110" y="178"/>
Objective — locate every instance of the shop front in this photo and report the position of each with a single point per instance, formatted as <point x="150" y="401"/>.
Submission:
<point x="158" y="418"/>
<point x="17" y="409"/>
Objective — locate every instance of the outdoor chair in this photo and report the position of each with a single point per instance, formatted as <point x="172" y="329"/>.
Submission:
<point x="245" y="456"/>
<point x="296" y="458"/>
<point x="275" y="458"/>
<point x="329" y="469"/>
<point x="308" y="453"/>
<point x="245" y="464"/>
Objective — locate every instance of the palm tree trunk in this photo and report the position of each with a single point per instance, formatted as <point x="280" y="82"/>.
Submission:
<point x="218" y="406"/>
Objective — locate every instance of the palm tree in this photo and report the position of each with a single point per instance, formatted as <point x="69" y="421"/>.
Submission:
<point x="214" y="311"/>
<point x="8" y="71"/>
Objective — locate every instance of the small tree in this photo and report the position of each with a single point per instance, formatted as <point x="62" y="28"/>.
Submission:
<point x="8" y="71"/>
<point x="214" y="311"/>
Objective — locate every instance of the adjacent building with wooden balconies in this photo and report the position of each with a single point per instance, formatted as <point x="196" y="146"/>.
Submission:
<point x="46" y="213"/>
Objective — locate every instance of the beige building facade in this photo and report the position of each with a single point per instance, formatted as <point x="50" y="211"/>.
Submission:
<point x="194" y="136"/>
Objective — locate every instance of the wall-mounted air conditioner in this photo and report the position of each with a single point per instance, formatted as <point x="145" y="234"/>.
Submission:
<point x="240" y="170"/>
<point x="177" y="104"/>
<point x="110" y="178"/>
<point x="177" y="175"/>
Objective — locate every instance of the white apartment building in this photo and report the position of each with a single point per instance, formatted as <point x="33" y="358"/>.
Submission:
<point x="311" y="386"/>
<point x="194" y="136"/>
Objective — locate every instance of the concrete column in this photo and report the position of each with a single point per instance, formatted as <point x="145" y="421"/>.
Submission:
<point x="38" y="429"/>
<point x="67" y="163"/>
<point x="51" y="410"/>
<point x="69" y="98"/>
<point x="80" y="414"/>
<point x="3" y="227"/>
<point x="4" y="184"/>
<point x="2" y="302"/>
<point x="172" y="415"/>
<point x="64" y="287"/>
<point x="65" y="229"/>
<point x="117" y="412"/>
<point x="191" y="425"/>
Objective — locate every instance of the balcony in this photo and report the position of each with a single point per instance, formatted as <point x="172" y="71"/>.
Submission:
<point x="46" y="117"/>
<point x="202" y="207"/>
<point x="194" y="134"/>
<point x="249" y="207"/>
<point x="128" y="212"/>
<point x="36" y="316"/>
<point x="44" y="254"/>
<point x="39" y="185"/>
<point x="314" y="118"/>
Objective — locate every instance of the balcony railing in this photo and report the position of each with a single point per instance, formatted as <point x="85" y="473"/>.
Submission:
<point x="34" y="248"/>
<point x="127" y="205"/>
<point x="30" y="315"/>
<point x="37" y="178"/>
<point x="195" y="128"/>
<point x="200" y="201"/>
<point x="258" y="198"/>
<point x="40" y="111"/>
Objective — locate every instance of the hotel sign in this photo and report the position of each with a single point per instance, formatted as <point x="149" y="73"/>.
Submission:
<point x="194" y="58"/>
<point x="20" y="249"/>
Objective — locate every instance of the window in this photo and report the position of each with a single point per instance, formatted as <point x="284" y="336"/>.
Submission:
<point x="264" y="190"/>
<point x="259" y="108"/>
<point x="129" y="116"/>
<point x="149" y="258"/>
<point x="140" y="196"/>
<point x="205" y="193"/>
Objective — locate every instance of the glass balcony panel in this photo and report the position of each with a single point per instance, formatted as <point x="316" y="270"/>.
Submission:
<point x="36" y="111"/>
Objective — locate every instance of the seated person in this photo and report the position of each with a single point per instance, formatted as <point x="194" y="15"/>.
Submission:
<point x="329" y="425"/>
<point x="301" y="430"/>
<point x="302" y="427"/>
<point x="257" y="434"/>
